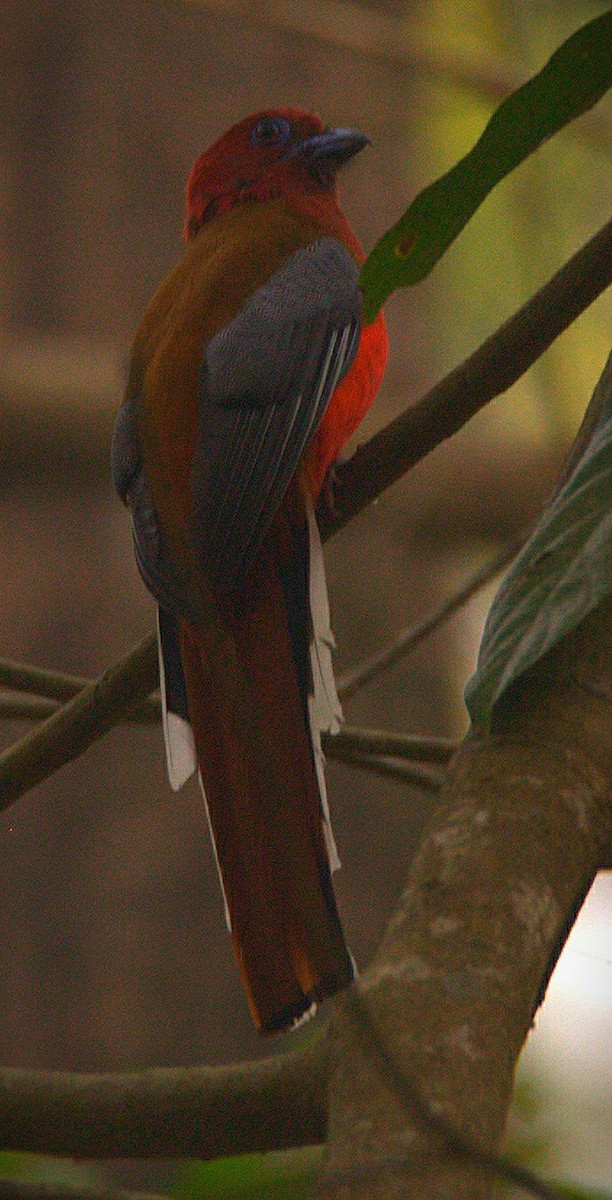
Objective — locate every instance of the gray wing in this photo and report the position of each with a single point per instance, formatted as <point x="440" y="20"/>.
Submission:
<point x="126" y="458"/>
<point x="264" y="386"/>
<point x="132" y="485"/>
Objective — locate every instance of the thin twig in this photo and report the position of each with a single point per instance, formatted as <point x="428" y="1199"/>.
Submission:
<point x="353" y="681"/>
<point x="41" y="681"/>
<point x="394" y="769"/>
<point x="390" y="754"/>
<point x="376" y="36"/>
<point x="368" y="750"/>
<point x="22" y="706"/>
<point x="409" y="746"/>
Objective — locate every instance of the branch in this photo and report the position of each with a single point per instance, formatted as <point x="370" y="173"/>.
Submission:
<point x="353" y="681"/>
<point x="196" y="1112"/>
<point x="391" y="754"/>
<point x="523" y="824"/>
<point x="92" y="712"/>
<point x="16" y="707"/>
<point x="408" y="746"/>
<point x="429" y="781"/>
<point x="418" y="747"/>
<point x="487" y="373"/>
<point x="54" y="685"/>
<point x="369" y="750"/>
<point x="58" y="685"/>
<point x="376" y="36"/>
<point x="459" y="1144"/>
<point x="386" y="742"/>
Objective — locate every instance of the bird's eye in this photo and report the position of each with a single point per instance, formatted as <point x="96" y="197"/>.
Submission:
<point x="270" y="131"/>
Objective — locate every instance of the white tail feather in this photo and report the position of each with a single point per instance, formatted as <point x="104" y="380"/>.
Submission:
<point x="228" y="919"/>
<point x="181" y="758"/>
<point x="307" y="1015"/>
<point x="324" y="708"/>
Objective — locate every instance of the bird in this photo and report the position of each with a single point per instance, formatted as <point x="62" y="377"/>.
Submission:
<point x="250" y="370"/>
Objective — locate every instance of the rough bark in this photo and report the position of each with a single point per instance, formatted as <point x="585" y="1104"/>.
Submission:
<point x="523" y="826"/>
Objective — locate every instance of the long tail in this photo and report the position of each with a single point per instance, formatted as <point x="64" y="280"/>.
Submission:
<point x="271" y="830"/>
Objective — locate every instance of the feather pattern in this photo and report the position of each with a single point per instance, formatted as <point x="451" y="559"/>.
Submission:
<point x="264" y="387"/>
<point x="324" y="708"/>
<point x="269" y="832"/>
<point x="181" y="757"/>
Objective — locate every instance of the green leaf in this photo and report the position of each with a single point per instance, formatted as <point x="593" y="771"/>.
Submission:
<point x="286" y="1175"/>
<point x="574" y="79"/>
<point x="563" y="572"/>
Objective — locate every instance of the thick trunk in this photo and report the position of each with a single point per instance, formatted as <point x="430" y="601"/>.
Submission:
<point x="431" y="1042"/>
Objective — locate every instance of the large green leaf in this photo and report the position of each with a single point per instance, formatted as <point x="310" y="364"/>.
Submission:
<point x="563" y="572"/>
<point x="286" y="1175"/>
<point x="574" y="79"/>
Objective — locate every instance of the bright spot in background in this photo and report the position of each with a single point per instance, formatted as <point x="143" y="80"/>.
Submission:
<point x="575" y="1022"/>
<point x="570" y="1049"/>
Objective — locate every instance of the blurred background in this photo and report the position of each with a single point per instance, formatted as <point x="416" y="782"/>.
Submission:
<point x="113" y="950"/>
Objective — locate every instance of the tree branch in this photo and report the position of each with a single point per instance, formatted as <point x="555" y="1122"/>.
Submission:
<point x="15" y="706"/>
<point x="385" y="742"/>
<point x="458" y="1144"/>
<point x="59" y="685"/>
<point x="409" y="746"/>
<point x="366" y="749"/>
<point x="41" y="681"/>
<point x="405" y="641"/>
<point x="405" y="772"/>
<point x="195" y="1112"/>
<point x="391" y="754"/>
<point x="523" y="824"/>
<point x="487" y="373"/>
<point x="92" y="712"/>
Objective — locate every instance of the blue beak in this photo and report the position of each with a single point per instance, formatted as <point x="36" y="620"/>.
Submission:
<point x="330" y="149"/>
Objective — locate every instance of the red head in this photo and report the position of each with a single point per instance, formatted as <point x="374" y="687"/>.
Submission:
<point x="278" y="152"/>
